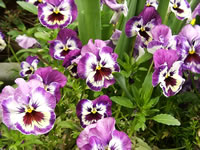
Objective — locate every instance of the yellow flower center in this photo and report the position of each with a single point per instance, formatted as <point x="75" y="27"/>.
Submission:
<point x="167" y="75"/>
<point x="56" y="11"/>
<point x="193" y="21"/>
<point x="65" y="48"/>
<point x="148" y="4"/>
<point x="29" y="109"/>
<point x="98" y="67"/>
<point x="142" y="29"/>
<point x="94" y="110"/>
<point x="192" y="51"/>
<point x="40" y="1"/>
<point x="175" y="6"/>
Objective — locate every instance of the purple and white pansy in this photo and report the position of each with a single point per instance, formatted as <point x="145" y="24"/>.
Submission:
<point x="162" y="39"/>
<point x="90" y="112"/>
<point x="181" y="8"/>
<point x="30" y="109"/>
<point x="65" y="42"/>
<point x="167" y="72"/>
<point x="35" y="2"/>
<point x="195" y="13"/>
<point x="189" y="47"/>
<point x="57" y="13"/>
<point x="52" y="80"/>
<point x="2" y="42"/>
<point x="152" y="3"/>
<point x="112" y="42"/>
<point x="29" y="66"/>
<point x="97" y="64"/>
<point x="103" y="135"/>
<point x="141" y="25"/>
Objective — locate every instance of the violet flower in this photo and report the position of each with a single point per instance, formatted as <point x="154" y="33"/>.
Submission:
<point x="152" y="3"/>
<point x="181" y="9"/>
<point x="65" y="42"/>
<point x="112" y="42"/>
<point x="189" y="47"/>
<point x="91" y="111"/>
<point x="103" y="135"/>
<point x="30" y="109"/>
<point x="57" y="13"/>
<point x="35" y="2"/>
<point x="118" y="8"/>
<point x="29" y="66"/>
<point x="27" y="42"/>
<point x="53" y="80"/>
<point x="196" y="12"/>
<point x="2" y="42"/>
<point x="141" y="25"/>
<point x="168" y="72"/>
<point x="162" y="39"/>
<point x="97" y="64"/>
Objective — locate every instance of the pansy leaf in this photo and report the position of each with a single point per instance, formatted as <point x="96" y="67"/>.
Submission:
<point x="147" y="56"/>
<point x="123" y="101"/>
<point x="166" y="119"/>
<point x="141" y="145"/>
<point x="28" y="6"/>
<point x="2" y="4"/>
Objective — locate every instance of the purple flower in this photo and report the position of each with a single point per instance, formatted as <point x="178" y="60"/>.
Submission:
<point x="27" y="42"/>
<point x="53" y="80"/>
<point x="29" y="66"/>
<point x="65" y="42"/>
<point x="57" y="13"/>
<point x="195" y="13"/>
<point x="168" y="72"/>
<point x="181" y="9"/>
<point x="91" y="111"/>
<point x="2" y="42"/>
<point x="35" y="2"/>
<point x="97" y="64"/>
<point x="29" y="108"/>
<point x="141" y="25"/>
<point x="103" y="135"/>
<point x="118" y="8"/>
<point x="138" y="48"/>
<point x="189" y="47"/>
<point x="112" y="42"/>
<point x="152" y="3"/>
<point x="162" y="39"/>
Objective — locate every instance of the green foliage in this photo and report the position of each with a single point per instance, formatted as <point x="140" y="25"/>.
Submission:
<point x="122" y="101"/>
<point x="166" y="119"/>
<point x="28" y="6"/>
<point x="2" y="4"/>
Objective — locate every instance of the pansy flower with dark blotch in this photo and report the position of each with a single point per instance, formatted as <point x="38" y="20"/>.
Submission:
<point x="162" y="39"/>
<point x="65" y="42"/>
<point x="189" y="47"/>
<point x="117" y="8"/>
<point x="35" y="2"/>
<point x="181" y="8"/>
<point x="167" y="71"/>
<point x="151" y="3"/>
<point x="91" y="111"/>
<point x="97" y="64"/>
<point x="2" y="42"/>
<point x="30" y="110"/>
<point x="141" y="25"/>
<point x="195" y="13"/>
<point x="52" y="80"/>
<point x="29" y="66"/>
<point x="57" y="13"/>
<point x="103" y="136"/>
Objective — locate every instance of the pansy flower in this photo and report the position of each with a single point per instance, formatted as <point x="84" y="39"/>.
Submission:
<point x="97" y="64"/>
<point x="35" y="2"/>
<point x="112" y="42"/>
<point x="189" y="47"/>
<point x="57" y="13"/>
<point x="27" y="42"/>
<point x="141" y="25"/>
<point x="152" y="3"/>
<point x="167" y="71"/>
<point x="162" y="39"/>
<point x="103" y="135"/>
<point x="2" y="41"/>
<point x="52" y="80"/>
<point x="65" y="42"/>
<point x="30" y="110"/>
<point x="181" y="8"/>
<point x="196" y="12"/>
<point x="29" y="66"/>
<point x="91" y="111"/>
<point x="118" y="8"/>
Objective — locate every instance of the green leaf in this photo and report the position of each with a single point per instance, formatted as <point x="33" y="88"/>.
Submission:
<point x="166" y="119"/>
<point x="2" y="4"/>
<point x="45" y="36"/>
<point x="28" y="6"/>
<point x="122" y="101"/>
<point x="67" y="124"/>
<point x="144" y="58"/>
<point x="139" y="122"/>
<point x="141" y="145"/>
<point x="34" y="51"/>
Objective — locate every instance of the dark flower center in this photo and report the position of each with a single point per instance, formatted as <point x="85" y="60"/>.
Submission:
<point x="101" y="72"/>
<point x="56" y="16"/>
<point x="176" y="8"/>
<point x="170" y="81"/>
<point x="93" y="116"/>
<point x="192" y="57"/>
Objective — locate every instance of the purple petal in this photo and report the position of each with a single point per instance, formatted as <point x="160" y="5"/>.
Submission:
<point x="25" y="41"/>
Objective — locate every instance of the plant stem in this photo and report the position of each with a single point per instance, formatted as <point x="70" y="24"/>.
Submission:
<point x="12" y="50"/>
<point x="163" y="8"/>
